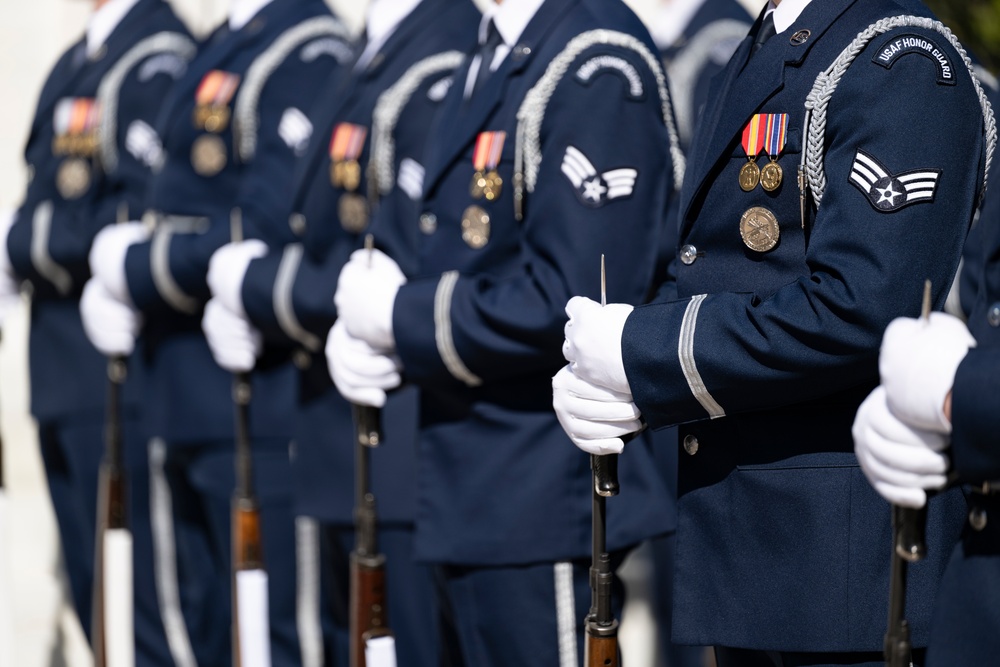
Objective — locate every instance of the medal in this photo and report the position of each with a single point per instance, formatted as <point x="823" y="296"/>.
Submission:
<point x="776" y="133"/>
<point x="208" y="155"/>
<point x="486" y="181"/>
<point x="759" y="229"/>
<point x="353" y="211"/>
<point x="475" y="227"/>
<point x="753" y="142"/>
<point x="346" y="145"/>
<point x="216" y="90"/>
<point x="75" y="124"/>
<point x="73" y="178"/>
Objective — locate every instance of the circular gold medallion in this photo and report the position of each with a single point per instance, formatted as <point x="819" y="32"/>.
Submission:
<point x="478" y="186"/>
<point x="73" y="178"/>
<point x="208" y="155"/>
<point x="475" y="227"/>
<point x="749" y="176"/>
<point x="351" y="175"/>
<point x="759" y="229"/>
<point x="494" y="185"/>
<point x="353" y="210"/>
<point x="770" y="176"/>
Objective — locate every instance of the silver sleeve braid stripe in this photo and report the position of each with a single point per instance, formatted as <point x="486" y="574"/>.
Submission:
<point x="247" y="122"/>
<point x="111" y="85"/>
<point x="159" y="261"/>
<point x="442" y="331"/>
<point x="284" y="282"/>
<point x="528" y="145"/>
<point x="389" y="108"/>
<point x="818" y="101"/>
<point x="684" y="71"/>
<point x="41" y="231"/>
<point x="685" y="354"/>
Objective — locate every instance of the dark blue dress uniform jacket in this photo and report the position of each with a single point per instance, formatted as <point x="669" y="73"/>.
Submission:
<point x="324" y="450"/>
<point x="480" y="330"/>
<point x="190" y="396"/>
<point x="782" y="544"/>
<point x="967" y="612"/>
<point x="50" y="242"/>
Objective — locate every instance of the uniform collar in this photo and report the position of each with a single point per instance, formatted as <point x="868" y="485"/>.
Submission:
<point x="786" y="13"/>
<point x="510" y="18"/>
<point x="382" y="19"/>
<point x="241" y="11"/>
<point x="104" y="21"/>
<point x="672" y="20"/>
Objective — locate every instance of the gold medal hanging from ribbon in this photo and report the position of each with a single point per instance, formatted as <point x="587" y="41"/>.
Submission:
<point x="486" y="181"/>
<point x="346" y="144"/>
<point x="775" y="133"/>
<point x="753" y="143"/>
<point x="209" y="154"/>
<point x="75" y="125"/>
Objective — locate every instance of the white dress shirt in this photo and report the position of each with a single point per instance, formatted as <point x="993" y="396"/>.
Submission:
<point x="510" y="19"/>
<point x="786" y="13"/>
<point x="104" y="21"/>
<point x="241" y="11"/>
<point x="381" y="20"/>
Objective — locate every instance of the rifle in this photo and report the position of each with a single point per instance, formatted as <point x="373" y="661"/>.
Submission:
<point x="251" y="627"/>
<point x="601" y="648"/>
<point x="112" y="622"/>
<point x="369" y="623"/>
<point x="909" y="528"/>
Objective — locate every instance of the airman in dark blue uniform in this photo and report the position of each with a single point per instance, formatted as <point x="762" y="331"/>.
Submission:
<point x="936" y="412"/>
<point x="554" y="145"/>
<point x="90" y="152"/>
<point x="373" y="118"/>
<point x="231" y="131"/>
<point x="765" y="341"/>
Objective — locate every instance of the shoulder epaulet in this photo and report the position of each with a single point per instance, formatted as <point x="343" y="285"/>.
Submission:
<point x="388" y="109"/>
<point x="812" y="175"/>
<point x="246" y="119"/>
<point x="685" y="69"/>
<point x="528" y="151"/>
<point x="111" y="85"/>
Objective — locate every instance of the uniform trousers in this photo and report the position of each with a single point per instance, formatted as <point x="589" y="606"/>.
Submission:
<point x="199" y="480"/>
<point x="517" y="615"/>
<point x="72" y="453"/>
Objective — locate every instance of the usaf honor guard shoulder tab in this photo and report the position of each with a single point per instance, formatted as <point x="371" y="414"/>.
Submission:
<point x="619" y="65"/>
<point x="887" y="192"/>
<point x="902" y="45"/>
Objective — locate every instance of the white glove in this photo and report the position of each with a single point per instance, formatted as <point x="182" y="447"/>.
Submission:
<point x="595" y="418"/>
<point x="10" y="293"/>
<point x="107" y="256"/>
<point x="110" y="324"/>
<point x="917" y="363"/>
<point x="235" y="343"/>
<point x="227" y="268"/>
<point x="362" y="374"/>
<point x="366" y="292"/>
<point x="900" y="461"/>
<point x="593" y="345"/>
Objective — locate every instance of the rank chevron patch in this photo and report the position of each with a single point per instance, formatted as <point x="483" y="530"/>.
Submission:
<point x="592" y="188"/>
<point x="887" y="192"/>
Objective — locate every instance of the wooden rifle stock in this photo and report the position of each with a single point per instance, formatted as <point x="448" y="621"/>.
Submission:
<point x="368" y="604"/>
<point x="601" y="646"/>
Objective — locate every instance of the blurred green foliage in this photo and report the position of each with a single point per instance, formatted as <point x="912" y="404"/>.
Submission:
<point x="977" y="24"/>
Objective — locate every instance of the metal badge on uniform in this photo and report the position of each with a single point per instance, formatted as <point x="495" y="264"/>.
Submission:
<point x="759" y="229"/>
<point x="486" y="181"/>
<point x="75" y="123"/>
<point x="776" y="133"/>
<point x="475" y="227"/>
<point x="208" y="155"/>
<point x="753" y="143"/>
<point x="353" y="211"/>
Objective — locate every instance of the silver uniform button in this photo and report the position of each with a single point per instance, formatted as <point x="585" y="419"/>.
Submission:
<point x="302" y="360"/>
<point x="690" y="444"/>
<point x="993" y="315"/>
<point x="977" y="518"/>
<point x="297" y="222"/>
<point x="428" y="223"/>
<point x="689" y="254"/>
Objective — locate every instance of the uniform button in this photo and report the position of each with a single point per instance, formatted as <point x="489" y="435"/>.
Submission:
<point x="428" y="223"/>
<point x="302" y="360"/>
<point x="689" y="254"/>
<point x="993" y="316"/>
<point x="690" y="444"/>
<point x="977" y="518"/>
<point x="297" y="222"/>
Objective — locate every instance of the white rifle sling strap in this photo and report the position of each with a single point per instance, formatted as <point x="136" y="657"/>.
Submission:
<point x="246" y="124"/>
<point x="817" y="103"/>
<point x="118" y="635"/>
<point x="254" y="625"/>
<point x="528" y="144"/>
<point x="164" y="43"/>
<point x="388" y="110"/>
